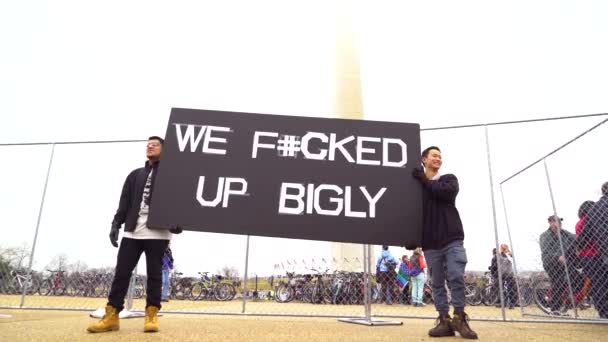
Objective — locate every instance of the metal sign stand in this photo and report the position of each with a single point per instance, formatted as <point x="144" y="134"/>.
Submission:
<point x="367" y="320"/>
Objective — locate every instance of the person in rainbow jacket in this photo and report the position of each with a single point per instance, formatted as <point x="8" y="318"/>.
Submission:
<point x="403" y="278"/>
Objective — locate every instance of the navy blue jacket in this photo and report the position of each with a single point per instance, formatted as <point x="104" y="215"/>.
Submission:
<point x="441" y="221"/>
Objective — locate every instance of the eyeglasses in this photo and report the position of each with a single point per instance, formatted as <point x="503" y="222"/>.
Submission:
<point x="154" y="144"/>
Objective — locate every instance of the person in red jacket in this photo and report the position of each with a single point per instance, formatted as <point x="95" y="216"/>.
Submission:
<point x="588" y="254"/>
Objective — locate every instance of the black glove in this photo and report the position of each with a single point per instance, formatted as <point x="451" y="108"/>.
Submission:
<point x="176" y="230"/>
<point x="114" y="234"/>
<point x="419" y="174"/>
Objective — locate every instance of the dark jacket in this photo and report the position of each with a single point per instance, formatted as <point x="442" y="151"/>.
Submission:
<point x="551" y="250"/>
<point x="168" y="260"/>
<point x="132" y="193"/>
<point x="595" y="227"/>
<point x="506" y="266"/>
<point x="494" y="267"/>
<point x="441" y="221"/>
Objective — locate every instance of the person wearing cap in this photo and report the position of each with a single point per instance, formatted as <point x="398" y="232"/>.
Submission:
<point x="443" y="244"/>
<point x="132" y="211"/>
<point x="554" y="256"/>
<point x="595" y="229"/>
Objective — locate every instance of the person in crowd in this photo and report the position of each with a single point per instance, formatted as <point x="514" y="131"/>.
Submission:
<point x="403" y="279"/>
<point x="493" y="268"/>
<point x="595" y="229"/>
<point x="417" y="276"/>
<point x="167" y="267"/>
<point x="586" y="254"/>
<point x="385" y="273"/>
<point x="508" y="279"/>
<point x="557" y="247"/>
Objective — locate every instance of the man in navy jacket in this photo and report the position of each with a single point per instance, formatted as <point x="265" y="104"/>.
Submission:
<point x="442" y="241"/>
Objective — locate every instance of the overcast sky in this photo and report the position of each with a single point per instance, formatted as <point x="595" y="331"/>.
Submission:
<point x="74" y="70"/>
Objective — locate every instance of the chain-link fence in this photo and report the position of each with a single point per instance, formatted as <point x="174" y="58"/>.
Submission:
<point x="552" y="257"/>
<point x="57" y="255"/>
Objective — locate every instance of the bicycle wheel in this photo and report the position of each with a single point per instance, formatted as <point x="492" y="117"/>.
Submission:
<point x="231" y="292"/>
<point x="316" y="296"/>
<point x="427" y="296"/>
<point x="284" y="294"/>
<point x="221" y="291"/>
<point x="354" y="294"/>
<point x="197" y="290"/>
<point x="179" y="292"/>
<point x="527" y="295"/>
<point x="472" y="294"/>
<point x="45" y="287"/>
<point x="490" y="295"/>
<point x="541" y="292"/>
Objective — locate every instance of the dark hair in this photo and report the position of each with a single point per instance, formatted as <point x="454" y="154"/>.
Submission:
<point x="155" y="137"/>
<point x="584" y="208"/>
<point x="605" y="188"/>
<point x="426" y="151"/>
<point x="385" y="248"/>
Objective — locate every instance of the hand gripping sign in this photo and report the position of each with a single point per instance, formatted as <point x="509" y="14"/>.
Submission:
<point x="287" y="176"/>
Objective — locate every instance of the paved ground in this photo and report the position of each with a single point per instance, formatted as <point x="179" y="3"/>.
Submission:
<point x="272" y="307"/>
<point x="50" y="325"/>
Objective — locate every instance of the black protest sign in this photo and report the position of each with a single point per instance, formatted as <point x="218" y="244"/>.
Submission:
<point x="292" y="177"/>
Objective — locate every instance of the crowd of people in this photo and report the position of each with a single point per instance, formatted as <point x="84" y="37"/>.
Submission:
<point x="565" y="253"/>
<point x="575" y="263"/>
<point x="409" y="277"/>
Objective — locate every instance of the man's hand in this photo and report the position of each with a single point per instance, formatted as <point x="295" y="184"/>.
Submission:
<point x="114" y="234"/>
<point x="176" y="230"/>
<point x="562" y="259"/>
<point x="419" y="174"/>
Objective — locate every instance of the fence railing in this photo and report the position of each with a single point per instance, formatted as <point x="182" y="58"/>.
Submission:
<point x="59" y="197"/>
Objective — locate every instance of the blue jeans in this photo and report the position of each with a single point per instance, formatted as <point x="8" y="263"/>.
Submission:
<point x="417" y="288"/>
<point x="387" y="283"/>
<point x="448" y="264"/>
<point x="165" y="291"/>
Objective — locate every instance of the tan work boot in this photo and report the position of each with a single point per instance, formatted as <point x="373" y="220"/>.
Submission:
<point x="109" y="321"/>
<point x="443" y="327"/>
<point x="151" y="320"/>
<point x="460" y="323"/>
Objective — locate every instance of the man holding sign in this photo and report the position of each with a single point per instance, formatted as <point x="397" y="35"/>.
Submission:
<point x="442" y="241"/>
<point x="133" y="210"/>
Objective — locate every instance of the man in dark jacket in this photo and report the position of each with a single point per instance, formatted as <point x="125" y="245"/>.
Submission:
<point x="557" y="247"/>
<point x="137" y="239"/>
<point x="442" y="242"/>
<point x="595" y="229"/>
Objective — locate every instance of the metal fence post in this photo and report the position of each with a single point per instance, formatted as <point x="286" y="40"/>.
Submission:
<point x="367" y="297"/>
<point x="500" y="284"/>
<point x="29" y="268"/>
<point x="519" y="294"/>
<point x="559" y="237"/>
<point x="131" y="289"/>
<point x="245" y="276"/>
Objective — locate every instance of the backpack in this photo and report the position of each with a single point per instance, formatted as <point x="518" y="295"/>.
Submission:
<point x="390" y="264"/>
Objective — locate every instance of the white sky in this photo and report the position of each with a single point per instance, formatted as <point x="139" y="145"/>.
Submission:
<point x="74" y="70"/>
